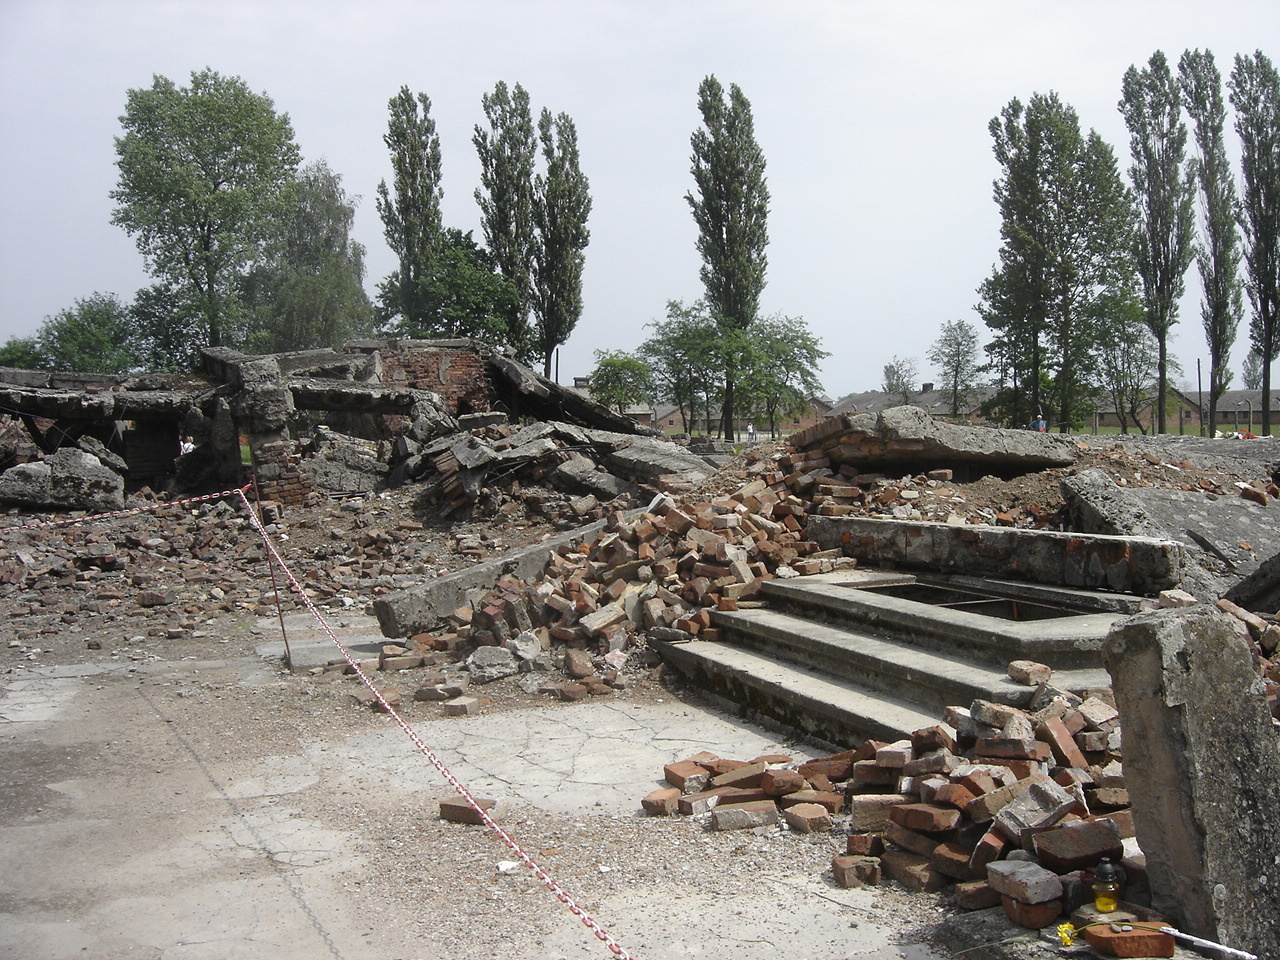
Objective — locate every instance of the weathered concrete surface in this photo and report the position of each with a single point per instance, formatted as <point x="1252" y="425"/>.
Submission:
<point x="67" y="479"/>
<point x="908" y="435"/>
<point x="1225" y="537"/>
<point x="1095" y="504"/>
<point x="1260" y="591"/>
<point x="1124" y="564"/>
<point x="1202" y="763"/>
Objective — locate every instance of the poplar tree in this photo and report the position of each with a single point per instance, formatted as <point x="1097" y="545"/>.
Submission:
<point x="1066" y="226"/>
<point x="1152" y="109"/>
<point x="507" y="151"/>
<point x="1255" y="95"/>
<point x="561" y="205"/>
<point x="410" y="209"/>
<point x="1218" y="251"/>
<point x="731" y="209"/>
<point x="955" y="356"/>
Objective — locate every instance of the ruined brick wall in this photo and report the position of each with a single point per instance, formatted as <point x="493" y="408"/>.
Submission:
<point x="456" y="371"/>
<point x="280" y="476"/>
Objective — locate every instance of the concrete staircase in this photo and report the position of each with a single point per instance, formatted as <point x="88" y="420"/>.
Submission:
<point x="842" y="657"/>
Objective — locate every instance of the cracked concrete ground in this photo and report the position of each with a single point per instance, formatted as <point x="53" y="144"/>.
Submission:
<point x="192" y="810"/>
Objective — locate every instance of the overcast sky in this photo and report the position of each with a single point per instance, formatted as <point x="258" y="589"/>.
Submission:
<point x="872" y="118"/>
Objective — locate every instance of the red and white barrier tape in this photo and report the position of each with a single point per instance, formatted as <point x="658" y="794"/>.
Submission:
<point x="132" y="511"/>
<point x="547" y="881"/>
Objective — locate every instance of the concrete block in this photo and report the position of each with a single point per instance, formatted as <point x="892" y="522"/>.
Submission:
<point x="1024" y="881"/>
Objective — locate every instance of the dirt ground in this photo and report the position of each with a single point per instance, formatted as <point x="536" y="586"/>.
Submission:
<point x="168" y="792"/>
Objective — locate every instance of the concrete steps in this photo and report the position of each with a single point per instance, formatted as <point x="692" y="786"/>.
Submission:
<point x="839" y="664"/>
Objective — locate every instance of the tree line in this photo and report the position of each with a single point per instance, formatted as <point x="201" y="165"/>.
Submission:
<point x="252" y="251"/>
<point x="1091" y="270"/>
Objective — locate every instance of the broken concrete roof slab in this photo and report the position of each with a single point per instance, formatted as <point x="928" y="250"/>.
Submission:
<point x="1138" y="565"/>
<point x="908" y="438"/>
<point x="1225" y="537"/>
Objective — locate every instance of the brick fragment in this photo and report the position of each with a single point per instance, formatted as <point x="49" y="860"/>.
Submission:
<point x="1071" y="846"/>
<point x="907" y="839"/>
<point x="807" y="818"/>
<point x="778" y="783"/>
<point x="834" y="802"/>
<point x="1024" y="881"/>
<point x="662" y="803"/>
<point x="952" y="859"/>
<point x="457" y="810"/>
<point x="1029" y="673"/>
<point x="856" y="871"/>
<point x="1065" y="750"/>
<point x="1033" y="916"/>
<point x="743" y="816"/>
<point x="748" y="775"/>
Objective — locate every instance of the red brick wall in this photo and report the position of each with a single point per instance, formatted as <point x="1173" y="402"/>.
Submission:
<point x="456" y="373"/>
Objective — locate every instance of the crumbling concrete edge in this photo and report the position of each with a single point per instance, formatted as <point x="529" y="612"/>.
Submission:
<point x="1140" y="565"/>
<point x="418" y="609"/>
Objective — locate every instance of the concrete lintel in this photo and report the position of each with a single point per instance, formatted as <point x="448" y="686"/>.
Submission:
<point x="1138" y="565"/>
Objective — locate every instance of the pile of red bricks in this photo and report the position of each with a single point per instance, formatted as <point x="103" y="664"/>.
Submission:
<point x="664" y="569"/>
<point x="974" y="802"/>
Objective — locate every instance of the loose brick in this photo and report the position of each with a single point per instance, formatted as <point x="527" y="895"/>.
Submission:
<point x="953" y="794"/>
<point x="457" y="810"/>
<point x="917" y="843"/>
<point x="975" y="895"/>
<point x="912" y="871"/>
<point x="742" y="816"/>
<point x="1072" y="846"/>
<point x="988" y="850"/>
<point x="869" y="812"/>
<point x="856" y="871"/>
<point x="1042" y="804"/>
<point x="1065" y="750"/>
<point x="749" y="775"/>
<point x="1005" y="748"/>
<point x="678" y="773"/>
<point x="952" y="859"/>
<point x="778" y="783"/>
<point x="691" y="804"/>
<point x="834" y="802"/>
<point x="867" y="773"/>
<point x="662" y="803"/>
<point x="1141" y="941"/>
<point x="1029" y="673"/>
<point x="1024" y="881"/>
<point x="462" y="706"/>
<point x="925" y="817"/>
<point x="1033" y="916"/>
<point x="807" y="818"/>
<point x="895" y="755"/>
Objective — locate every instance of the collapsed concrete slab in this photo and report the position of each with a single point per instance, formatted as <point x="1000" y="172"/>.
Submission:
<point x="1202" y="764"/>
<point x="65" y="480"/>
<point x="1122" y="564"/>
<point x="908" y="440"/>
<point x="1225" y="536"/>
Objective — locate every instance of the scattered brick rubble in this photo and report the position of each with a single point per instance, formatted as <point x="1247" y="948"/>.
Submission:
<point x="997" y="806"/>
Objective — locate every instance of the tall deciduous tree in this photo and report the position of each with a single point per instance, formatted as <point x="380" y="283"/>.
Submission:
<point x="619" y="379"/>
<point x="310" y="292"/>
<point x="731" y="209"/>
<point x="783" y="373"/>
<point x="685" y="359"/>
<point x="1152" y="109"/>
<point x="410" y="208"/>
<point x="507" y="151"/>
<point x="901" y="378"/>
<point x="1129" y="358"/>
<point x="94" y="336"/>
<point x="561" y="205"/>
<point x="204" y="176"/>
<point x="1218" y="250"/>
<point x="955" y="356"/>
<point x="1066" y="226"/>
<point x="1255" y="94"/>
